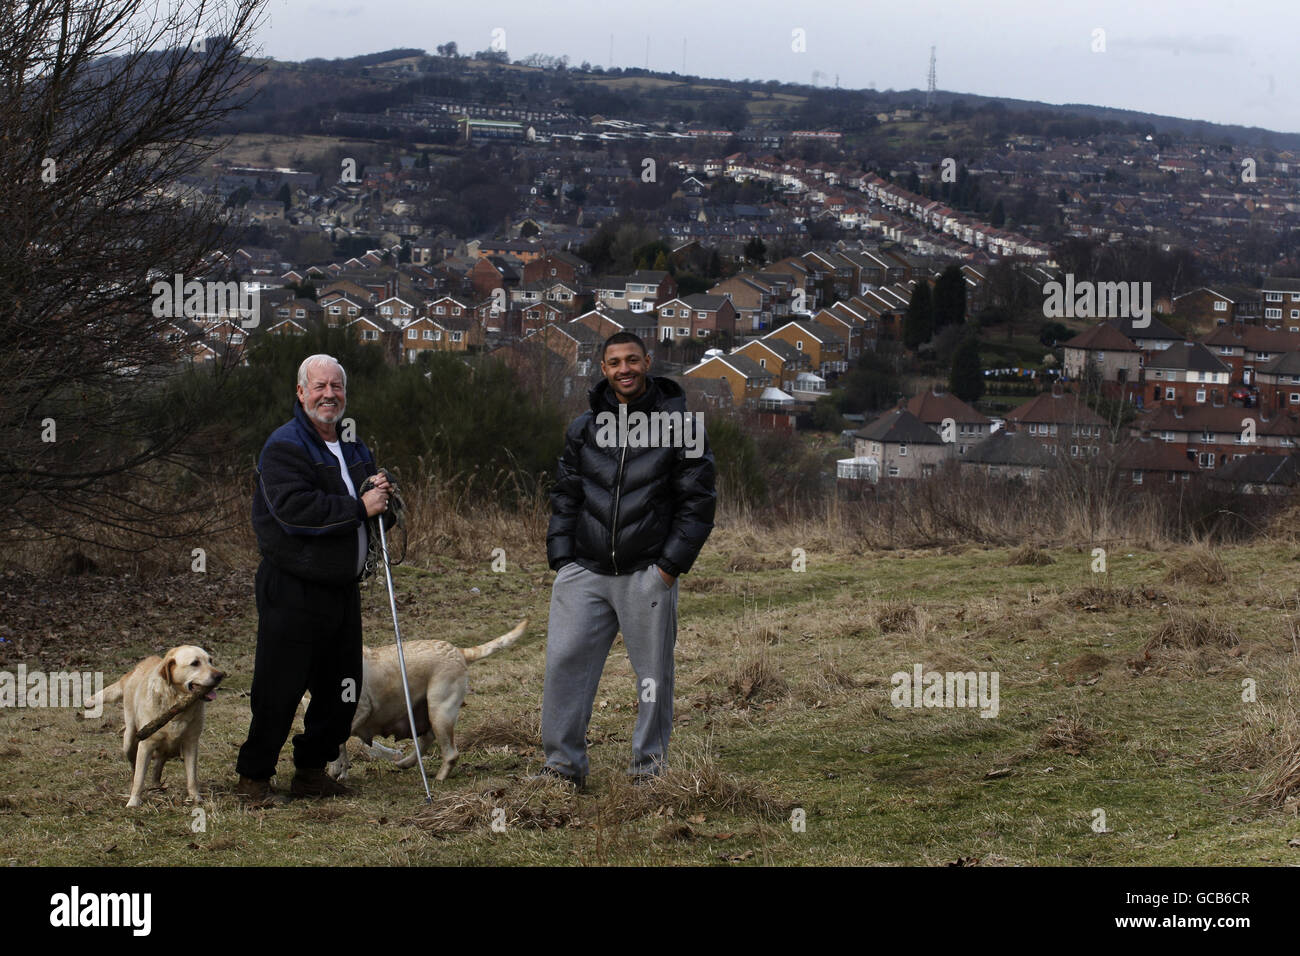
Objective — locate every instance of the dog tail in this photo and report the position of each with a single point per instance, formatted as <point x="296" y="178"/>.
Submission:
<point x="473" y="654"/>
<point x="109" y="695"/>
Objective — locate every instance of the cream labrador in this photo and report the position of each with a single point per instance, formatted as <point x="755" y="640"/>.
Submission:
<point x="148" y="691"/>
<point x="438" y="673"/>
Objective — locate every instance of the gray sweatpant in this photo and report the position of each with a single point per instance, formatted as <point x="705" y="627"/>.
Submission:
<point x="587" y="611"/>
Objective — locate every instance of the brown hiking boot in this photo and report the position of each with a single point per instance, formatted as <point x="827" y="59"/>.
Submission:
<point x="258" y="793"/>
<point x="316" y="784"/>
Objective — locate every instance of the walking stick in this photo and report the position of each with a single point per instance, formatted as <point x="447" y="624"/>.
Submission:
<point x="401" y="661"/>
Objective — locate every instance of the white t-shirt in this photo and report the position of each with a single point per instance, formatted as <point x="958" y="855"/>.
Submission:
<point x="362" y="542"/>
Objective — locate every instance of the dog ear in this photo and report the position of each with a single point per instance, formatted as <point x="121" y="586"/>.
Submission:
<point x="167" y="667"/>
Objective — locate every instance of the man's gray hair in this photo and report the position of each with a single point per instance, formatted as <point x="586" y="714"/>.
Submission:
<point x="311" y="360"/>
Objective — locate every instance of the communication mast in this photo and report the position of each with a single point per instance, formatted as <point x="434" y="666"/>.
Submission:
<point x="929" y="90"/>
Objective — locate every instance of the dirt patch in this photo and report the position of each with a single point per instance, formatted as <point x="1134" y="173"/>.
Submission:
<point x="1085" y="667"/>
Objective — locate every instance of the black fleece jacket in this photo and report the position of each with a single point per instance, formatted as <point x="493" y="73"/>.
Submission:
<point x="305" y="520"/>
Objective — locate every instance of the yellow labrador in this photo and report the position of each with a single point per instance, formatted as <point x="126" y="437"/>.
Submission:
<point x="439" y="677"/>
<point x="149" y="690"/>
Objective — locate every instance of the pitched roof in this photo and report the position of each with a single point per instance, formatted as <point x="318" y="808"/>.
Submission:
<point x="933" y="406"/>
<point x="1256" y="338"/>
<point x="1262" y="470"/>
<point x="1288" y="363"/>
<point x="1152" y="454"/>
<point x="1011" y="448"/>
<point x="1187" y="356"/>
<point x="743" y="364"/>
<point x="1155" y="329"/>
<point x="1053" y="409"/>
<point x="819" y="332"/>
<point x="899" y="425"/>
<point x="1102" y="338"/>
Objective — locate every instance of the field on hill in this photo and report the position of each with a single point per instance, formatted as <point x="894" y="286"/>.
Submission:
<point x="1146" y="715"/>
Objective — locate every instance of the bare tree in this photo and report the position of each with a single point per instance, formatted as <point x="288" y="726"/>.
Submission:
<point x="107" y="104"/>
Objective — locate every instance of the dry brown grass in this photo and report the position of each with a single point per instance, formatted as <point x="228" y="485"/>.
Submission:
<point x="1266" y="738"/>
<point x="1072" y="735"/>
<point x="896" y="616"/>
<point x="1029" y="554"/>
<point x="539" y="805"/>
<point x="1201" y="567"/>
<point x="511" y="730"/>
<point x="756" y="680"/>
<point x="1189" y="631"/>
<point x="679" y="792"/>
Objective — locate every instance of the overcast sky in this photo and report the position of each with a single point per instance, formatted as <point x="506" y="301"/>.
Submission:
<point x="1217" y="61"/>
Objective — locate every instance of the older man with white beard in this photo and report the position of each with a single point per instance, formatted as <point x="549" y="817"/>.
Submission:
<point x="311" y="531"/>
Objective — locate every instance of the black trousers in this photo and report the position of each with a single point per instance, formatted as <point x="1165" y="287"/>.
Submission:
<point x="308" y="638"/>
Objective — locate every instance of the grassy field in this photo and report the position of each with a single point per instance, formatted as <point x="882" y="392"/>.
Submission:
<point x="1121" y="735"/>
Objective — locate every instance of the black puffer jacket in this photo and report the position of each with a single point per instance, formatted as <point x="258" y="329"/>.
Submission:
<point x="620" y="509"/>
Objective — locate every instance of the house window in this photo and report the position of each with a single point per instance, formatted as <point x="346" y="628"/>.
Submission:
<point x="1273" y="297"/>
<point x="1200" y="394"/>
<point x="1207" y="437"/>
<point x="1137" y="476"/>
<point x="1206" y="459"/>
<point x="799" y="345"/>
<point x="1272" y="313"/>
<point x="1220" y="305"/>
<point x="412" y="334"/>
<point x="369" y="335"/>
<point x="437" y="335"/>
<point x="334" y="310"/>
<point x="440" y="310"/>
<point x="386" y="310"/>
<point x="701" y="332"/>
<point x="1074" y="451"/>
<point x="1295" y="398"/>
<point x="762" y="363"/>
<point x="685" y="332"/>
<point x="1169" y="394"/>
<point x="902" y="448"/>
<point x="668" y="313"/>
<point x="457" y="336"/>
<point x="428" y="335"/>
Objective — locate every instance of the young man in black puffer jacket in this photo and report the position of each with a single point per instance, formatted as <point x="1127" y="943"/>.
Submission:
<point x="311" y="531"/>
<point x="630" y="512"/>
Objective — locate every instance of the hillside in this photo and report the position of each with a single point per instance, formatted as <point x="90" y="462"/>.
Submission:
<point x="1119" y="693"/>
